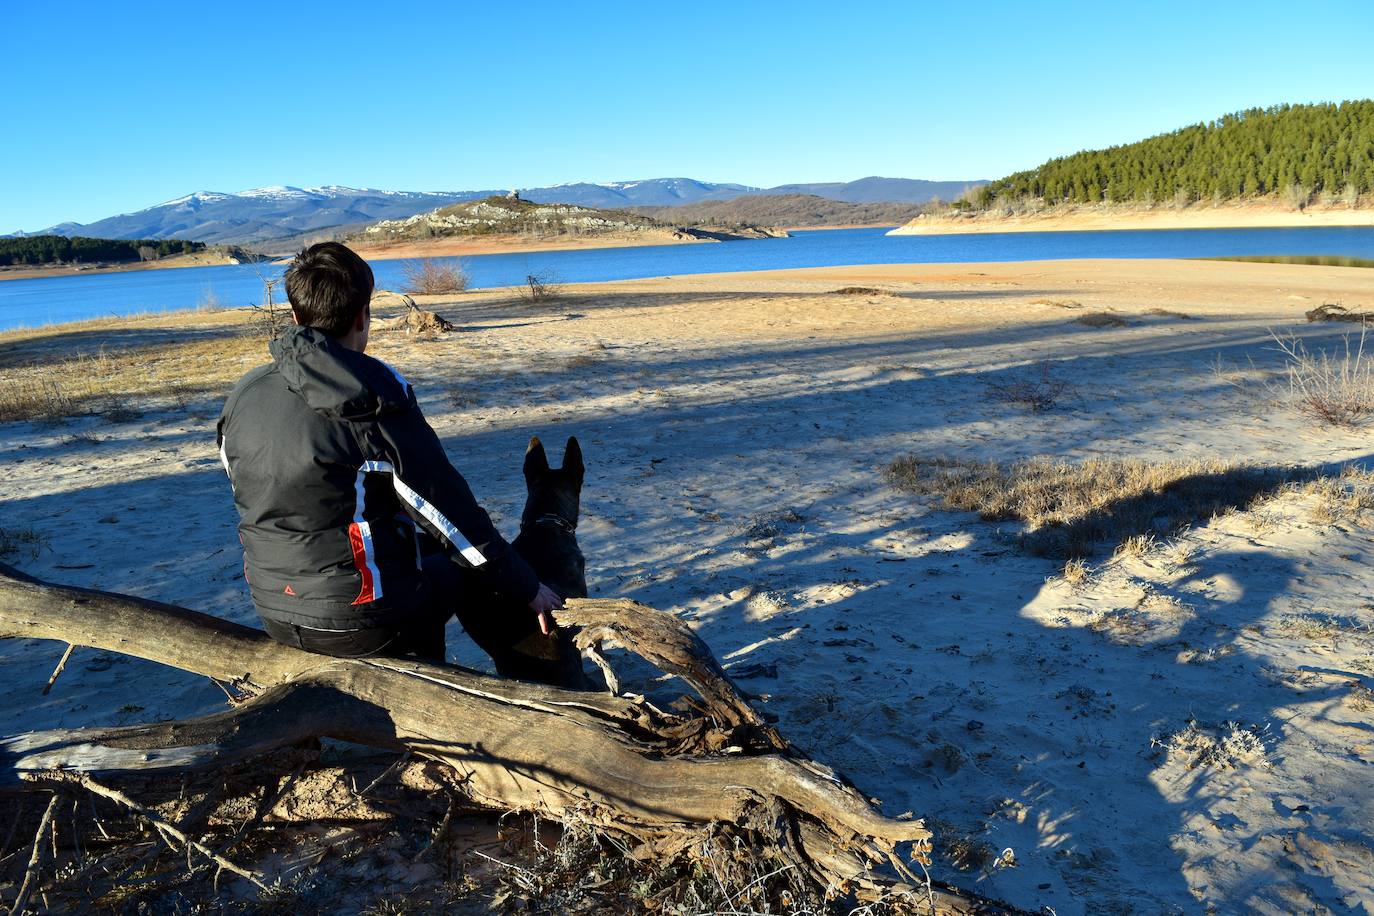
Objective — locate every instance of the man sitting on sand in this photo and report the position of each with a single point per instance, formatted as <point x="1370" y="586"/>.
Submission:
<point x="333" y="467"/>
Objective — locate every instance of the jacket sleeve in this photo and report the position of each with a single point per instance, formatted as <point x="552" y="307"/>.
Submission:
<point x="438" y="497"/>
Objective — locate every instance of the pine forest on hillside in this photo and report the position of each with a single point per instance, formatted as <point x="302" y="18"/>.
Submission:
<point x="57" y="249"/>
<point x="1295" y="151"/>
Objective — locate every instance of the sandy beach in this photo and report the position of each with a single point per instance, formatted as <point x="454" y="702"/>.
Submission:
<point x="1259" y="215"/>
<point x="1182" y="726"/>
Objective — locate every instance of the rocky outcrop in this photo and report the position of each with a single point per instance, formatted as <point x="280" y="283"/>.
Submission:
<point x="513" y="216"/>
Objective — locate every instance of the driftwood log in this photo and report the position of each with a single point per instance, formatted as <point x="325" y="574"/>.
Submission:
<point x="658" y="777"/>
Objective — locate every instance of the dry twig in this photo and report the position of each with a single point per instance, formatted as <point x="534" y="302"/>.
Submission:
<point x="61" y="665"/>
<point x="31" y="872"/>
<point x="114" y="795"/>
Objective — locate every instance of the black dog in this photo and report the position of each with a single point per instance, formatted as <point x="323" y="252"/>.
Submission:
<point x="548" y="542"/>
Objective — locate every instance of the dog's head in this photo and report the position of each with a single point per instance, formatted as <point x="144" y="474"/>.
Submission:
<point x="553" y="501"/>
<point x="553" y="492"/>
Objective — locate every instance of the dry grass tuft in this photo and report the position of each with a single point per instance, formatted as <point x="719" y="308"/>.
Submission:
<point x="861" y="291"/>
<point x="119" y="384"/>
<point x="1337" y="390"/>
<point x="1070" y="508"/>
<point x="1041" y="390"/>
<point x="1344" y="498"/>
<point x="434" y="277"/>
<point x="1076" y="571"/>
<point x="17" y="541"/>
<point x="1058" y="303"/>
<point x="586" y="360"/>
<point x="1223" y="747"/>
<point x="1101" y="320"/>
<point x="1135" y="546"/>
<point x="1170" y="313"/>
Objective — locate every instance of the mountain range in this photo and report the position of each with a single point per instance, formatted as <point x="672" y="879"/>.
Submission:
<point x="263" y="214"/>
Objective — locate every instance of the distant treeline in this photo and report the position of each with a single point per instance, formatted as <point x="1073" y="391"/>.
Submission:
<point x="58" y="249"/>
<point x="783" y="210"/>
<point x="1293" y="150"/>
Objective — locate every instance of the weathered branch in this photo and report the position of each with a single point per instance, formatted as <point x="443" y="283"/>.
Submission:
<point x="515" y="745"/>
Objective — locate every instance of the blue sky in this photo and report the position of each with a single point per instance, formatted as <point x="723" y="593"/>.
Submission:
<point x="115" y="107"/>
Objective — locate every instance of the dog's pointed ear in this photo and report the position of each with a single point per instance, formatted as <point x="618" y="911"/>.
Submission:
<point x="572" y="457"/>
<point x="536" y="462"/>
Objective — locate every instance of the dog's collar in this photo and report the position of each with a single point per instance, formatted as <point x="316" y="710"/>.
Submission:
<point x="552" y="519"/>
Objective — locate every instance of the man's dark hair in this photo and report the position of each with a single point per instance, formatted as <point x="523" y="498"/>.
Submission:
<point x="328" y="285"/>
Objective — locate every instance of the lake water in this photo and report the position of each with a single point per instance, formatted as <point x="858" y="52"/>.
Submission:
<point x="58" y="299"/>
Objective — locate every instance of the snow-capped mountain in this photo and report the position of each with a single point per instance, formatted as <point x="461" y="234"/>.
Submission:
<point x="260" y="214"/>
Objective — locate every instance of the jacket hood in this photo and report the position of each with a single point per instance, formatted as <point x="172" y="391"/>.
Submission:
<point x="335" y="381"/>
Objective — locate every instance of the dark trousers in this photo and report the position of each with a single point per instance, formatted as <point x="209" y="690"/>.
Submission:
<point x="507" y="632"/>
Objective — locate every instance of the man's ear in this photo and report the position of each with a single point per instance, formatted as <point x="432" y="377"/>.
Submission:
<point x="361" y="320"/>
<point x="572" y="457"/>
<point x="536" y="462"/>
<point x="296" y="319"/>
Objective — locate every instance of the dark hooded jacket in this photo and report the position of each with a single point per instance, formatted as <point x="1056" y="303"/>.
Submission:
<point x="332" y="465"/>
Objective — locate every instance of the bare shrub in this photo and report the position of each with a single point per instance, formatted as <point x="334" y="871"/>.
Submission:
<point x="209" y="302"/>
<point x="1337" y="390"/>
<point x="1068" y="509"/>
<point x="1038" y="391"/>
<point x="271" y="317"/>
<point x="1296" y="196"/>
<point x="434" y="277"/>
<point x="540" y="288"/>
<point x="1101" y="320"/>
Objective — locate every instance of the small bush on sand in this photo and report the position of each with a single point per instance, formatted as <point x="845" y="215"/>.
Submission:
<point x="1037" y="391"/>
<point x="17" y="541"/>
<point x="1069" y="509"/>
<point x="432" y="277"/>
<point x="540" y="288"/>
<point x="1335" y="389"/>
<point x="1101" y="320"/>
<point x="861" y="291"/>
<point x="1170" y="313"/>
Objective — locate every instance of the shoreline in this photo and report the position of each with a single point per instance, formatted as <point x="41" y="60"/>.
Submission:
<point x="1115" y="219"/>
<point x="72" y="270"/>
<point x="1076" y="271"/>
<point x="752" y="416"/>
<point x="503" y="244"/>
<point x="390" y="251"/>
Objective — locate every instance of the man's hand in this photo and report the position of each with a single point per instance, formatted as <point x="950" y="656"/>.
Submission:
<point x="546" y="600"/>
